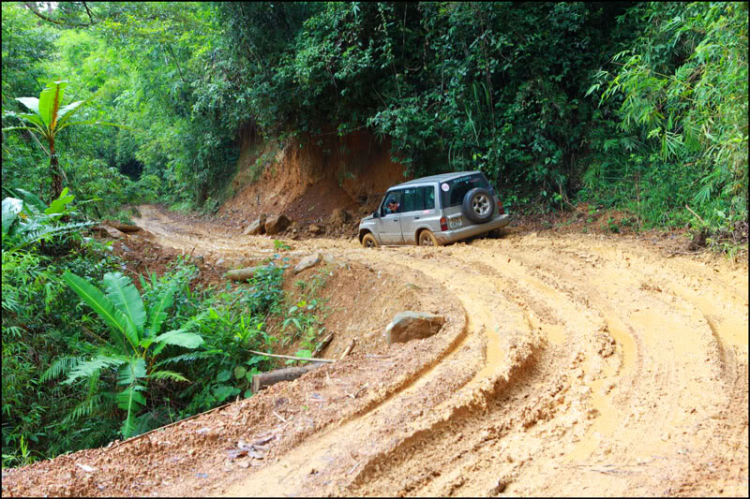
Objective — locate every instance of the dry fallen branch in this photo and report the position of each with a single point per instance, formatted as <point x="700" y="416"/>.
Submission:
<point x="348" y="349"/>
<point x="290" y="357"/>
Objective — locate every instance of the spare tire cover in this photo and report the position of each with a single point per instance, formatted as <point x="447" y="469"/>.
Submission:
<point x="478" y="205"/>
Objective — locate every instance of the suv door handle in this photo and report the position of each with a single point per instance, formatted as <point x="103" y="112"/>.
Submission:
<point x="395" y="219"/>
<point x="416" y="218"/>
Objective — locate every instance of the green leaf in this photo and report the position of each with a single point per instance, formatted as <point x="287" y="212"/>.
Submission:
<point x="30" y="102"/>
<point x="239" y="372"/>
<point x="223" y="392"/>
<point x="33" y="118"/>
<point x="159" y="311"/>
<point x="130" y="400"/>
<point x="68" y="111"/>
<point x="58" y="206"/>
<point x="11" y="208"/>
<point x="127" y="299"/>
<point x="180" y="338"/>
<point x="31" y="201"/>
<point x="223" y="376"/>
<point x="134" y="370"/>
<point x="95" y="299"/>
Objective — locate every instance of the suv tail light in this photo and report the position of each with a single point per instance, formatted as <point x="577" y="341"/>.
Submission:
<point x="443" y="224"/>
<point x="500" y="208"/>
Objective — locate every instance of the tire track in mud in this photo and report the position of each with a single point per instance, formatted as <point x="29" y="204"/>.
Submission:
<point x="586" y="367"/>
<point x="370" y="437"/>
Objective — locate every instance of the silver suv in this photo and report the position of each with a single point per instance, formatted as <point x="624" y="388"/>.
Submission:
<point x="434" y="210"/>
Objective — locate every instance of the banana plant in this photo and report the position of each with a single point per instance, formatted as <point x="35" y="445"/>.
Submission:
<point x="136" y="339"/>
<point x="48" y="117"/>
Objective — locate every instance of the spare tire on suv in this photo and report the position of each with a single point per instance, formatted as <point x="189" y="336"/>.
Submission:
<point x="478" y="205"/>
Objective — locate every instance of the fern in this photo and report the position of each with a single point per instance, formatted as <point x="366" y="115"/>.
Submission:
<point x="167" y="375"/>
<point x="60" y="367"/>
<point x="86" y="369"/>
<point x="34" y="234"/>
<point x="89" y="407"/>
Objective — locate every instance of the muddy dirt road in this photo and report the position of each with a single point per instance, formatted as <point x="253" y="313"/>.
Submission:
<point x="579" y="365"/>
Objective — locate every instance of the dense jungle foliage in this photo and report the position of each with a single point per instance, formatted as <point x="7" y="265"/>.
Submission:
<point x="639" y="107"/>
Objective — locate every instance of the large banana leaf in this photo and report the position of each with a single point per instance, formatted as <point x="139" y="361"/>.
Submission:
<point x="159" y="311"/>
<point x="30" y="102"/>
<point x="49" y="102"/>
<point x="127" y="299"/>
<point x="11" y="208"/>
<point x="180" y="338"/>
<point x="130" y="399"/>
<point x="134" y="370"/>
<point x="31" y="202"/>
<point x="120" y="326"/>
<point x="67" y="112"/>
<point x="33" y="118"/>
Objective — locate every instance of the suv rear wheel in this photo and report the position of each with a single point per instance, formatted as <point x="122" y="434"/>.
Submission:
<point x="427" y="238"/>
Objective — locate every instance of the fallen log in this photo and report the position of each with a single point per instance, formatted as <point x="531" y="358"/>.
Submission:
<point x="123" y="227"/>
<point x="264" y="380"/>
<point x="242" y="274"/>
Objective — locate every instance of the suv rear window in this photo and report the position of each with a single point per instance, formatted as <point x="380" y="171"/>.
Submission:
<point x="458" y="187"/>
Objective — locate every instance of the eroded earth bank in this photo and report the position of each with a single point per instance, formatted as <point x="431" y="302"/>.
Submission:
<point x="569" y="365"/>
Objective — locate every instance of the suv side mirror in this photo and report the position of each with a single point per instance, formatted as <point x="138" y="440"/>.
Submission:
<point x="375" y="214"/>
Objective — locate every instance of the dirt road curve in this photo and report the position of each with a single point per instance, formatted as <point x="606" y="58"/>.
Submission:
<point x="585" y="366"/>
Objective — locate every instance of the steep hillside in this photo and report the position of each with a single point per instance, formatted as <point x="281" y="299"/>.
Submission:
<point x="307" y="180"/>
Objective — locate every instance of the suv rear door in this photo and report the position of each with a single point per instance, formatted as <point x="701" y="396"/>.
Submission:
<point x="418" y="203"/>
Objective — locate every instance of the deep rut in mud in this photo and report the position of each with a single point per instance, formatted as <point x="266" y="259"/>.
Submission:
<point x="574" y="365"/>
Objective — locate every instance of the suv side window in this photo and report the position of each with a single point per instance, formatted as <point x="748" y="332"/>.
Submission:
<point x="398" y="197"/>
<point x="419" y="199"/>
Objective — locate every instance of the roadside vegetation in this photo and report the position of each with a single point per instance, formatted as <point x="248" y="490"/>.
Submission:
<point x="640" y="108"/>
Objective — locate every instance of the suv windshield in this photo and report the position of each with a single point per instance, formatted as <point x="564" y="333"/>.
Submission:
<point x="458" y="187"/>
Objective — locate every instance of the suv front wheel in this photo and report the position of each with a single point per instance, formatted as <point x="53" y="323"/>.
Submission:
<point x="369" y="241"/>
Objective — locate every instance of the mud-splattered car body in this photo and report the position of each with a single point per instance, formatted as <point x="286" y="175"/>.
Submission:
<point x="434" y="210"/>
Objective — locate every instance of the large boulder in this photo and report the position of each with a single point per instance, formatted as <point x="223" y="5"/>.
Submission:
<point x="257" y="227"/>
<point x="339" y="217"/>
<point x="307" y="262"/>
<point x="277" y="224"/>
<point x="407" y="326"/>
